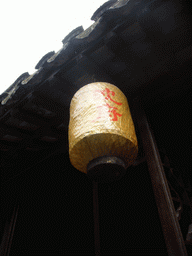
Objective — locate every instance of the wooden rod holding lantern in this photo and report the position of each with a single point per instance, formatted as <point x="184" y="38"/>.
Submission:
<point x="96" y="218"/>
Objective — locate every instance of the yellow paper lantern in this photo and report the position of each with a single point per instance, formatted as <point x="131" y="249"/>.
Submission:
<point x="101" y="129"/>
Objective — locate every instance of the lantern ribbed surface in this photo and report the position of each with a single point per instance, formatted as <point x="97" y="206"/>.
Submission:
<point x="100" y="125"/>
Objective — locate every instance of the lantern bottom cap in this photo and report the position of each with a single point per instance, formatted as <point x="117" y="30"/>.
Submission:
<point x="106" y="169"/>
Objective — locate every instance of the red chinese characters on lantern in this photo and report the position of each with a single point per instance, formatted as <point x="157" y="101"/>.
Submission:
<point x="113" y="111"/>
<point x="105" y="109"/>
<point x="106" y="93"/>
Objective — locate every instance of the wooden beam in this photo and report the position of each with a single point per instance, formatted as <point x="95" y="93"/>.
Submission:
<point x="170" y="225"/>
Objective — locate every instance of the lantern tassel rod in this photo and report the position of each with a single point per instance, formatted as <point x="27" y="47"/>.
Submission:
<point x="96" y="218"/>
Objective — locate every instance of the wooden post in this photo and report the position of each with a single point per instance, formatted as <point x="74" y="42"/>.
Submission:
<point x="170" y="225"/>
<point x="8" y="234"/>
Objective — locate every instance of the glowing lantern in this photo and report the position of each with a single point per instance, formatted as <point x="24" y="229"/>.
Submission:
<point x="102" y="139"/>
